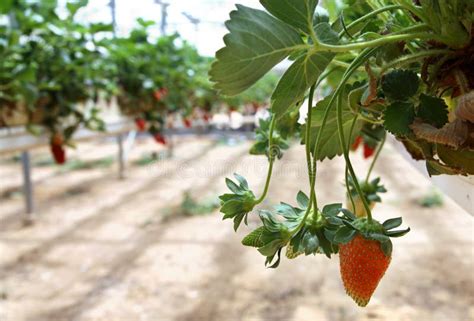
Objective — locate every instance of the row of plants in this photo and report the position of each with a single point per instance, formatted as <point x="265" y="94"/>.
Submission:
<point x="56" y="71"/>
<point x="401" y="68"/>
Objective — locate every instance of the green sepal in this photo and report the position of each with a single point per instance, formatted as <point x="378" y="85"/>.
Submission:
<point x="344" y="235"/>
<point x="392" y="223"/>
<point x="398" y="233"/>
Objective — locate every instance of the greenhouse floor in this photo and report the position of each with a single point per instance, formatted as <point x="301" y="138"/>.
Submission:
<point x="116" y="250"/>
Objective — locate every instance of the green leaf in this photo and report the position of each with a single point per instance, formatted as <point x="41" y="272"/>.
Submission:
<point x="398" y="117"/>
<point x="302" y="199"/>
<point x="433" y="110"/>
<point x="5" y="6"/>
<point x="301" y="75"/>
<point x="325" y="34"/>
<point x="254" y="238"/>
<point x="73" y="7"/>
<point x="297" y="13"/>
<point x="329" y="144"/>
<point x="255" y="44"/>
<point x="392" y="223"/>
<point x="400" y="84"/>
<point x="344" y="234"/>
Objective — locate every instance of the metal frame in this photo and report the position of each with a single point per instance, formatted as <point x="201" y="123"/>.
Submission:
<point x="17" y="139"/>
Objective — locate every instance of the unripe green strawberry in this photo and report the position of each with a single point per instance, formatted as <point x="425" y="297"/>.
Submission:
<point x="362" y="266"/>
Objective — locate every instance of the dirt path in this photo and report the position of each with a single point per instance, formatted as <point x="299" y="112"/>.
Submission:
<point x="107" y="254"/>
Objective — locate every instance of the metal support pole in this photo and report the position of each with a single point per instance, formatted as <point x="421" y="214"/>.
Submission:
<point x="27" y="185"/>
<point x="113" y="11"/>
<point x="121" y="156"/>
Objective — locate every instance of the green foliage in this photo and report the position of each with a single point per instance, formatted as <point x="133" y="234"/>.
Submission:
<point x="246" y="58"/>
<point x="398" y="117"/>
<point x="400" y="84"/>
<point x="298" y="14"/>
<point x="56" y="66"/>
<point x="432" y="110"/>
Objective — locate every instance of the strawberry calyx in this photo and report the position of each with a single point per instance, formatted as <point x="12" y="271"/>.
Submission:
<point x="370" y="189"/>
<point x="239" y="203"/>
<point x="369" y="229"/>
<point x="301" y="229"/>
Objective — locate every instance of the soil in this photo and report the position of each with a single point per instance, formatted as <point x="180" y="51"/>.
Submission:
<point x="108" y="249"/>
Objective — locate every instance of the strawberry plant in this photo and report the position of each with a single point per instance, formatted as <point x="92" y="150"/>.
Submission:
<point x="386" y="67"/>
<point x="51" y="67"/>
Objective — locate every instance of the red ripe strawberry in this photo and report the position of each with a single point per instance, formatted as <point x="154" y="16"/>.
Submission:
<point x="206" y="117"/>
<point x="158" y="95"/>
<point x="187" y="123"/>
<point x="356" y="143"/>
<point x="141" y="124"/>
<point x="57" y="139"/>
<point x="59" y="154"/>
<point x="159" y="138"/>
<point x="368" y="151"/>
<point x="362" y="264"/>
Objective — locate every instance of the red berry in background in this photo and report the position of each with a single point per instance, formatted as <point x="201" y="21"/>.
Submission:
<point x="368" y="151"/>
<point x="141" y="124"/>
<point x="164" y="92"/>
<point x="206" y="117"/>
<point x="157" y="94"/>
<point x="59" y="154"/>
<point x="159" y="138"/>
<point x="362" y="265"/>
<point x="187" y="123"/>
<point x="356" y="143"/>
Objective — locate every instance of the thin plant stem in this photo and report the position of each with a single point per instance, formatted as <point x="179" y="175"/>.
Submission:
<point x="271" y="161"/>
<point x="376" y="156"/>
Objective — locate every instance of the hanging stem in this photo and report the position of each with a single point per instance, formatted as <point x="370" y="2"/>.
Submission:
<point x="308" y="131"/>
<point x="376" y="156"/>
<point x="271" y="161"/>
<point x="311" y="173"/>
<point x="346" y="171"/>
<point x="347" y="159"/>
<point x="358" y="61"/>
